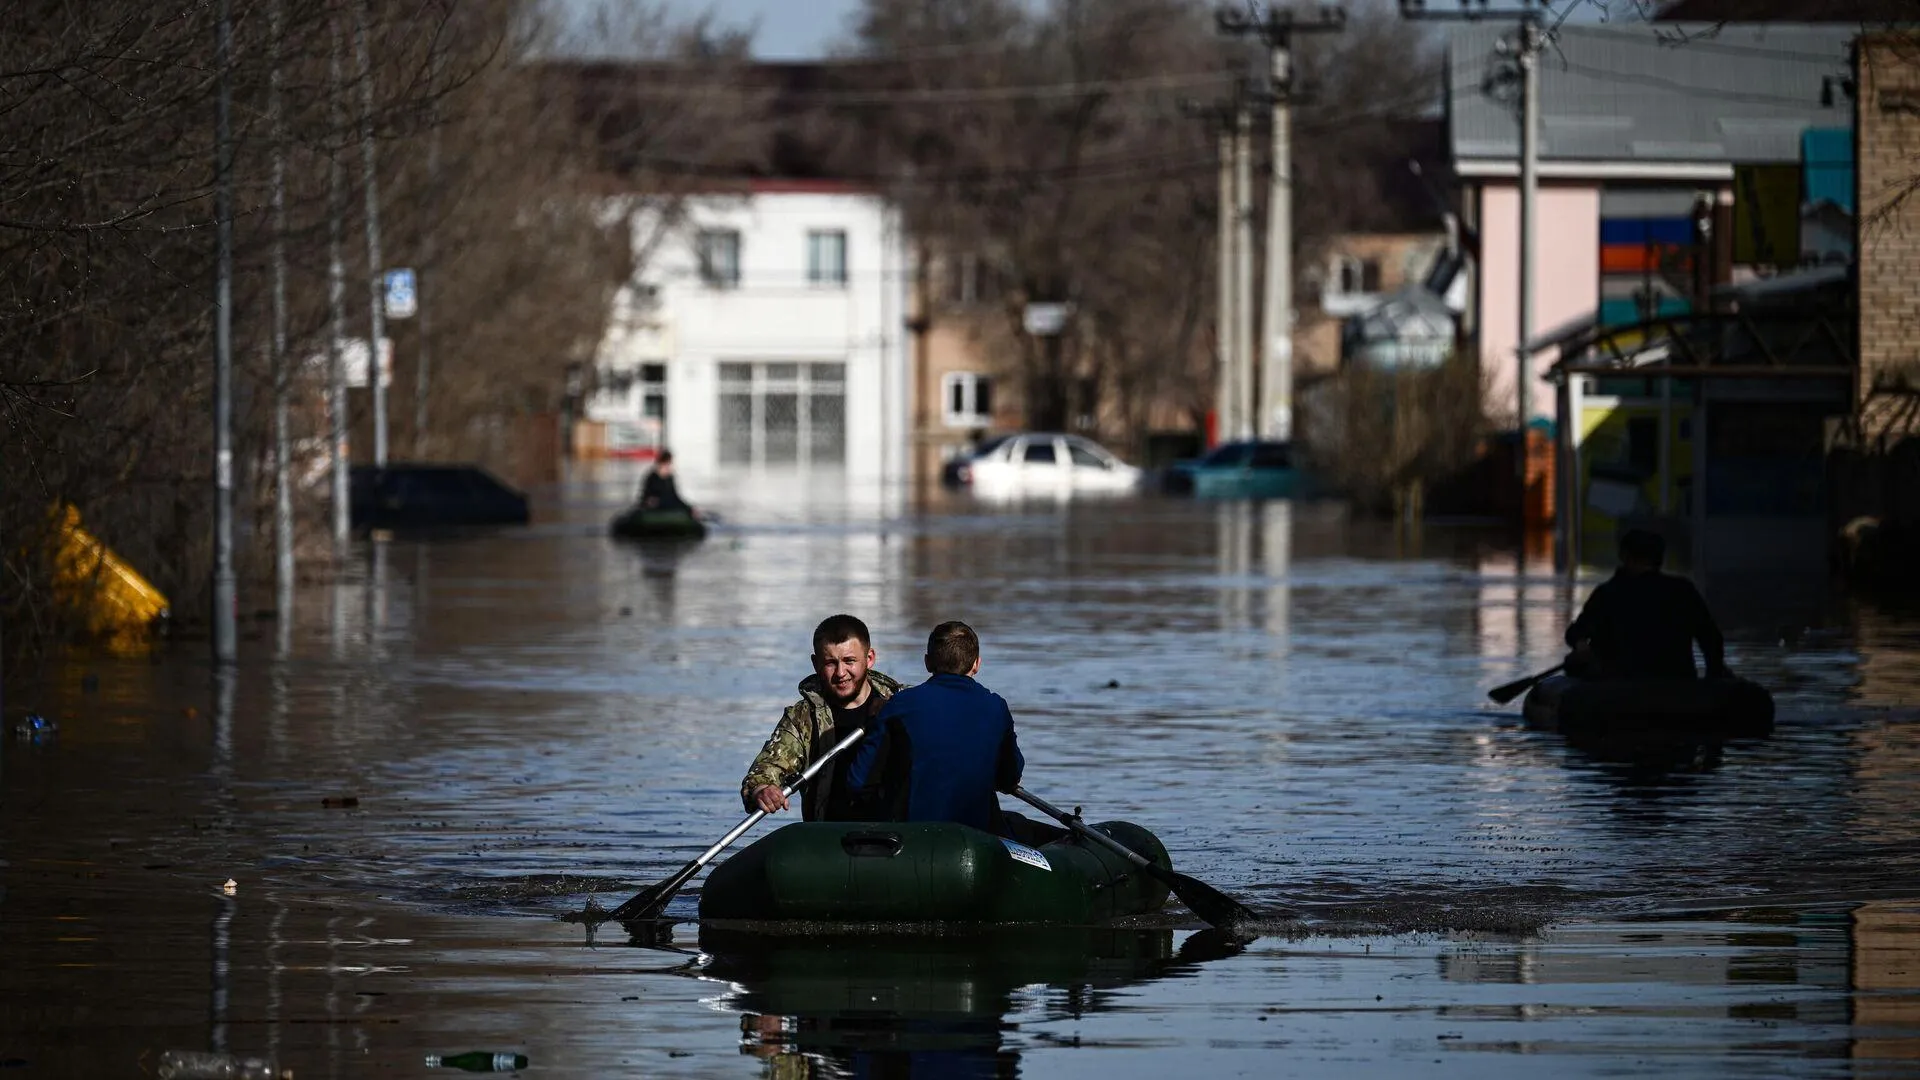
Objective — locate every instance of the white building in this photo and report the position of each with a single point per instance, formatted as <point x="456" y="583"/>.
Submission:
<point x="763" y="334"/>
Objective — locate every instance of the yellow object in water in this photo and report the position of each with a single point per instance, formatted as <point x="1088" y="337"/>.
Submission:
<point x="119" y="607"/>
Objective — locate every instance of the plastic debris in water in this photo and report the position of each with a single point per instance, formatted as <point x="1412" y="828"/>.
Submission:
<point x="33" y="725"/>
<point x="207" y="1065"/>
<point x="479" y="1061"/>
<point x="231" y="887"/>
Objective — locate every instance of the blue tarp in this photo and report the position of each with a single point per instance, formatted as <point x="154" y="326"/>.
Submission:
<point x="1675" y="230"/>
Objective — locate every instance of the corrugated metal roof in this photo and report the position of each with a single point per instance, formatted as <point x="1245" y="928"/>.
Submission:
<point x="1668" y="94"/>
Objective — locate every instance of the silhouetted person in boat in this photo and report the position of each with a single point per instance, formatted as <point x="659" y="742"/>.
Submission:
<point x="1642" y="623"/>
<point x="657" y="492"/>
<point x="941" y="749"/>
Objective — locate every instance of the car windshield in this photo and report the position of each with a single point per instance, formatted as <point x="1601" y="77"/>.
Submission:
<point x="989" y="446"/>
<point x="1230" y="454"/>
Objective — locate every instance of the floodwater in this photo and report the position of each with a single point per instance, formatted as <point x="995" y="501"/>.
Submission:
<point x="465" y="737"/>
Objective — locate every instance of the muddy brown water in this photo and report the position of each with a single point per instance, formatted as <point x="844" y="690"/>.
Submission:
<point x="465" y="737"/>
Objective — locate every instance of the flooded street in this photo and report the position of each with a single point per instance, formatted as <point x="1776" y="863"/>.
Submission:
<point x="466" y="737"/>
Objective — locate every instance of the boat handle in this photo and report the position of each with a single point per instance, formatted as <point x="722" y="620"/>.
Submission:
<point x="880" y="845"/>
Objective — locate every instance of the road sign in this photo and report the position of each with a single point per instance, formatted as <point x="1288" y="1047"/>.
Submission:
<point x="402" y="299"/>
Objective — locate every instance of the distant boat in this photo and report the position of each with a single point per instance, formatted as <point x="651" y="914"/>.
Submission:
<point x="639" y="523"/>
<point x="1650" y="709"/>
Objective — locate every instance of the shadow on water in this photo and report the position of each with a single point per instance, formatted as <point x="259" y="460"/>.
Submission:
<point x="929" y="1006"/>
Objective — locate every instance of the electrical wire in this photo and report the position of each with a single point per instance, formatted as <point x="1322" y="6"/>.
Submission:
<point x="953" y="95"/>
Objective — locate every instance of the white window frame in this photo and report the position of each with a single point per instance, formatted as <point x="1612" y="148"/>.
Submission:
<point x="819" y="275"/>
<point x="969" y="383"/>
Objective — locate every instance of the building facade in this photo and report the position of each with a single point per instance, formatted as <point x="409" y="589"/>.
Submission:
<point x="762" y="332"/>
<point x="1642" y="145"/>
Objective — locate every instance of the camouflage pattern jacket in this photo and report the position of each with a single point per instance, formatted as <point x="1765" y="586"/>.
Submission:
<point x="805" y="732"/>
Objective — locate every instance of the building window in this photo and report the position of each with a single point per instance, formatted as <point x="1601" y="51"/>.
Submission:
<point x="969" y="280"/>
<point x="783" y="414"/>
<point x="827" y="257"/>
<point x="967" y="399"/>
<point x="1353" y="276"/>
<point x="719" y="251"/>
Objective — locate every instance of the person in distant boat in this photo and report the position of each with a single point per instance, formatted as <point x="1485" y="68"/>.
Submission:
<point x="944" y="747"/>
<point x="844" y="692"/>
<point x="1642" y="623"/>
<point x="658" y="492"/>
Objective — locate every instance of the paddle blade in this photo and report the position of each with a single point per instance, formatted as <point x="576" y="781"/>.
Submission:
<point x="1503" y="694"/>
<point x="650" y="902"/>
<point x="1212" y="905"/>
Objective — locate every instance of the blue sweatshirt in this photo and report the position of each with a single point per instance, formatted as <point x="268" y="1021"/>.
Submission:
<point x="942" y="749"/>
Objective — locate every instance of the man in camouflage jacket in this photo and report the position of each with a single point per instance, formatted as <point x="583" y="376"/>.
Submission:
<point x="843" y="689"/>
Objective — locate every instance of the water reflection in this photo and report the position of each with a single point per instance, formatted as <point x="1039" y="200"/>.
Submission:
<point x="928" y="1006"/>
<point x="1772" y="979"/>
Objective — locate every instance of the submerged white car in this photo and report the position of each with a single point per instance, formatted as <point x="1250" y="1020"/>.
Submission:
<point x="1041" y="463"/>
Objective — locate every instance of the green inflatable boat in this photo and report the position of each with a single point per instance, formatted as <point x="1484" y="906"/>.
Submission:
<point x="1620" y="710"/>
<point x="638" y="524"/>
<point x="840" y="872"/>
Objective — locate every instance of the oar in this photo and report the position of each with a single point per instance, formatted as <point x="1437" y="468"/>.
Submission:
<point x="1503" y="694"/>
<point x="1205" y="901"/>
<point x="653" y="899"/>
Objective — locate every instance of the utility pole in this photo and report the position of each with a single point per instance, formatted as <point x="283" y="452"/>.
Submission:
<point x="1525" y="51"/>
<point x="225" y="595"/>
<point x="1227" y="328"/>
<point x="1227" y="415"/>
<point x="422" y="374"/>
<point x="337" y="296"/>
<point x="282" y="377"/>
<point x="1275" y="419"/>
<point x="1529" y="60"/>
<point x="1243" y="407"/>
<point x="376" y="278"/>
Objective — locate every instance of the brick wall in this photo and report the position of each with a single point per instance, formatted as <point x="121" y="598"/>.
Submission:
<point x="1888" y="153"/>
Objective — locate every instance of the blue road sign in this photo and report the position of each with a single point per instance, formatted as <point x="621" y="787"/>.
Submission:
<point x="402" y="300"/>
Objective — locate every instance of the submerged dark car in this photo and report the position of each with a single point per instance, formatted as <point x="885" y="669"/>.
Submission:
<point x="432" y="496"/>
<point x="1238" y="470"/>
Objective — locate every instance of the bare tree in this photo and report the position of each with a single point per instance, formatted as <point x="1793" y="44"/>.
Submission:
<point x="1051" y="144"/>
<point x="106" y="227"/>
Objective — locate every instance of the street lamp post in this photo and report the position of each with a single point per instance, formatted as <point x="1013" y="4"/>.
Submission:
<point x="1525" y="51"/>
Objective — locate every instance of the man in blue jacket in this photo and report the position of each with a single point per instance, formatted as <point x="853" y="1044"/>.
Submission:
<point x="940" y="750"/>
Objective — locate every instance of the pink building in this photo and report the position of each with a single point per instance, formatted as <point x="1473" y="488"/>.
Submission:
<point x="1640" y="143"/>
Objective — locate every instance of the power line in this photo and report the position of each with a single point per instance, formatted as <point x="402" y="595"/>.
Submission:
<point x="1145" y="83"/>
<point x="1712" y="43"/>
<point x="986" y="46"/>
<point x="1691" y="89"/>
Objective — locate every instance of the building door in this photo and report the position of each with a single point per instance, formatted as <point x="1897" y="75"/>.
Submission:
<point x="783" y="413"/>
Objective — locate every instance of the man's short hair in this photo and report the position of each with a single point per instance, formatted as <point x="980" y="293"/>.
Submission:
<point x="952" y="648"/>
<point x="666" y="458"/>
<point x="835" y="629"/>
<point x="1643" y="546"/>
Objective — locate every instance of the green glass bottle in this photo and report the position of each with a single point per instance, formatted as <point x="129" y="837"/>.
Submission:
<point x="478" y="1061"/>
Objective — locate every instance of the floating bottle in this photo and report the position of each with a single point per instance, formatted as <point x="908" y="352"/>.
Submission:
<point x="479" y="1061"/>
<point x="207" y="1065"/>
